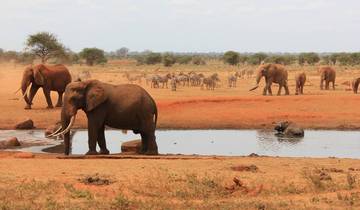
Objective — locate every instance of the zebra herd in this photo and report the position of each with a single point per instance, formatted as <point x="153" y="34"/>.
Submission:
<point x="190" y="79"/>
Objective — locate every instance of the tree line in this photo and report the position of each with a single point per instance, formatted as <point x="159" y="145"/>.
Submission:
<point x="47" y="48"/>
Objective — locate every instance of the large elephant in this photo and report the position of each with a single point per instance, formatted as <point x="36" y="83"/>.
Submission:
<point x="328" y="75"/>
<point x="50" y="78"/>
<point x="300" y="80"/>
<point x="127" y="107"/>
<point x="273" y="73"/>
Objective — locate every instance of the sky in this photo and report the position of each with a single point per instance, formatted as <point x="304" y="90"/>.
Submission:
<point x="186" y="25"/>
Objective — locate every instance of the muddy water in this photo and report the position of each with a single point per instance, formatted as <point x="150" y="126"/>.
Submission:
<point x="319" y="143"/>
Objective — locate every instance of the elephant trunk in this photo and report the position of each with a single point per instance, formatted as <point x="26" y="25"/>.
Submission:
<point x="25" y="85"/>
<point x="66" y="122"/>
<point x="258" y="79"/>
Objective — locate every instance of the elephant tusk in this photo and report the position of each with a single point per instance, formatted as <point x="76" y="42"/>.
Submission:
<point x="26" y="91"/>
<point x="17" y="90"/>
<point x="254" y="88"/>
<point x="51" y="135"/>
<point x="72" y="120"/>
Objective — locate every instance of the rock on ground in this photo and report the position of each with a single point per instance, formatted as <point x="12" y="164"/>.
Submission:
<point x="27" y="124"/>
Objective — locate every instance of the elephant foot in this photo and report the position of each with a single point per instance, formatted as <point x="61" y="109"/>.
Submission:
<point x="149" y="152"/>
<point x="92" y="153"/>
<point x="58" y="105"/>
<point x="50" y="107"/>
<point x="27" y="106"/>
<point x="104" y="151"/>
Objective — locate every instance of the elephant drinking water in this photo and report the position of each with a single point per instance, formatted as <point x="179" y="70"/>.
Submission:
<point x="127" y="107"/>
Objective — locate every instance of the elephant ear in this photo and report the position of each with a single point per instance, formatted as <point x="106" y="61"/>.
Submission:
<point x="95" y="95"/>
<point x="38" y="75"/>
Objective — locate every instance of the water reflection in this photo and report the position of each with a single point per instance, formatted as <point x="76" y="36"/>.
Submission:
<point x="225" y="142"/>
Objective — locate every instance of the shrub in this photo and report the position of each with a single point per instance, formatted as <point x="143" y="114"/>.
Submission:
<point x="168" y="59"/>
<point x="197" y="60"/>
<point x="231" y="57"/>
<point x="93" y="56"/>
<point x="152" y="58"/>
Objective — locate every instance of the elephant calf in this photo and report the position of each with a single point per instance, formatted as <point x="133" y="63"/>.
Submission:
<point x="300" y="80"/>
<point x="289" y="129"/>
<point x="127" y="107"/>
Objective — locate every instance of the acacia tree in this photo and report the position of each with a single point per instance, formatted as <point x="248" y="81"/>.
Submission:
<point x="122" y="52"/>
<point x="93" y="56"/>
<point x="45" y="45"/>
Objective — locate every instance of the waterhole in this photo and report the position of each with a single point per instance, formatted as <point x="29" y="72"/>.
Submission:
<point x="315" y="143"/>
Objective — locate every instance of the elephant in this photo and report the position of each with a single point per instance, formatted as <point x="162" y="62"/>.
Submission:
<point x="273" y="73"/>
<point x="355" y="84"/>
<point x="126" y="107"/>
<point x="327" y="74"/>
<point x="50" y="78"/>
<point x="289" y="129"/>
<point x="300" y="80"/>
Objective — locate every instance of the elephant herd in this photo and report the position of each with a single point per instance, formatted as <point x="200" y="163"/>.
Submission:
<point x="130" y="107"/>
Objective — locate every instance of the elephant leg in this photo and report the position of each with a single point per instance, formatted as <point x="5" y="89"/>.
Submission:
<point x="95" y="123"/>
<point x="101" y="141"/>
<point x="48" y="98"/>
<point x="269" y="88"/>
<point x="59" y="102"/>
<point x="265" y="90"/>
<point x="279" y="91"/>
<point x="33" y="90"/>
<point x="287" y="92"/>
<point x="321" y="84"/>
<point x="302" y="89"/>
<point x="333" y="84"/>
<point x="327" y="84"/>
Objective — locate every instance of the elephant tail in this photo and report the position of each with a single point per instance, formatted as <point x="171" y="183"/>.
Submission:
<point x="156" y="114"/>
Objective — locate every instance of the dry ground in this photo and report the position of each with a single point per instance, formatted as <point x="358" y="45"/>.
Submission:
<point x="202" y="183"/>
<point x="191" y="107"/>
<point x="45" y="182"/>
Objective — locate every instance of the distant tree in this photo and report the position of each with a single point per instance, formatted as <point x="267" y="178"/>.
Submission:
<point x="310" y="58"/>
<point x="152" y="58"/>
<point x="344" y="59"/>
<point x="93" y="56"/>
<point x="333" y="58"/>
<point x="184" y="59"/>
<point x="168" y="59"/>
<point x="231" y="57"/>
<point x="197" y="60"/>
<point x="243" y="58"/>
<point x="45" y="45"/>
<point x="355" y="58"/>
<point x="122" y="52"/>
<point x="281" y="59"/>
<point x="257" y="58"/>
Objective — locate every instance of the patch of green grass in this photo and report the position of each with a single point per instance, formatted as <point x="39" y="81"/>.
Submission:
<point x="75" y="193"/>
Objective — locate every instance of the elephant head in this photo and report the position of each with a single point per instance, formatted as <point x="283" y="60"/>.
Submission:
<point x="32" y="75"/>
<point x="86" y="95"/>
<point x="281" y="126"/>
<point x="262" y="71"/>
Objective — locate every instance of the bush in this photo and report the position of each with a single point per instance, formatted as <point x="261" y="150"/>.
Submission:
<point x="281" y="59"/>
<point x="168" y="59"/>
<point x="185" y="59"/>
<point x="309" y="58"/>
<point x="257" y="58"/>
<point x="231" y="57"/>
<point x="152" y="58"/>
<point x="198" y="61"/>
<point x="93" y="56"/>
